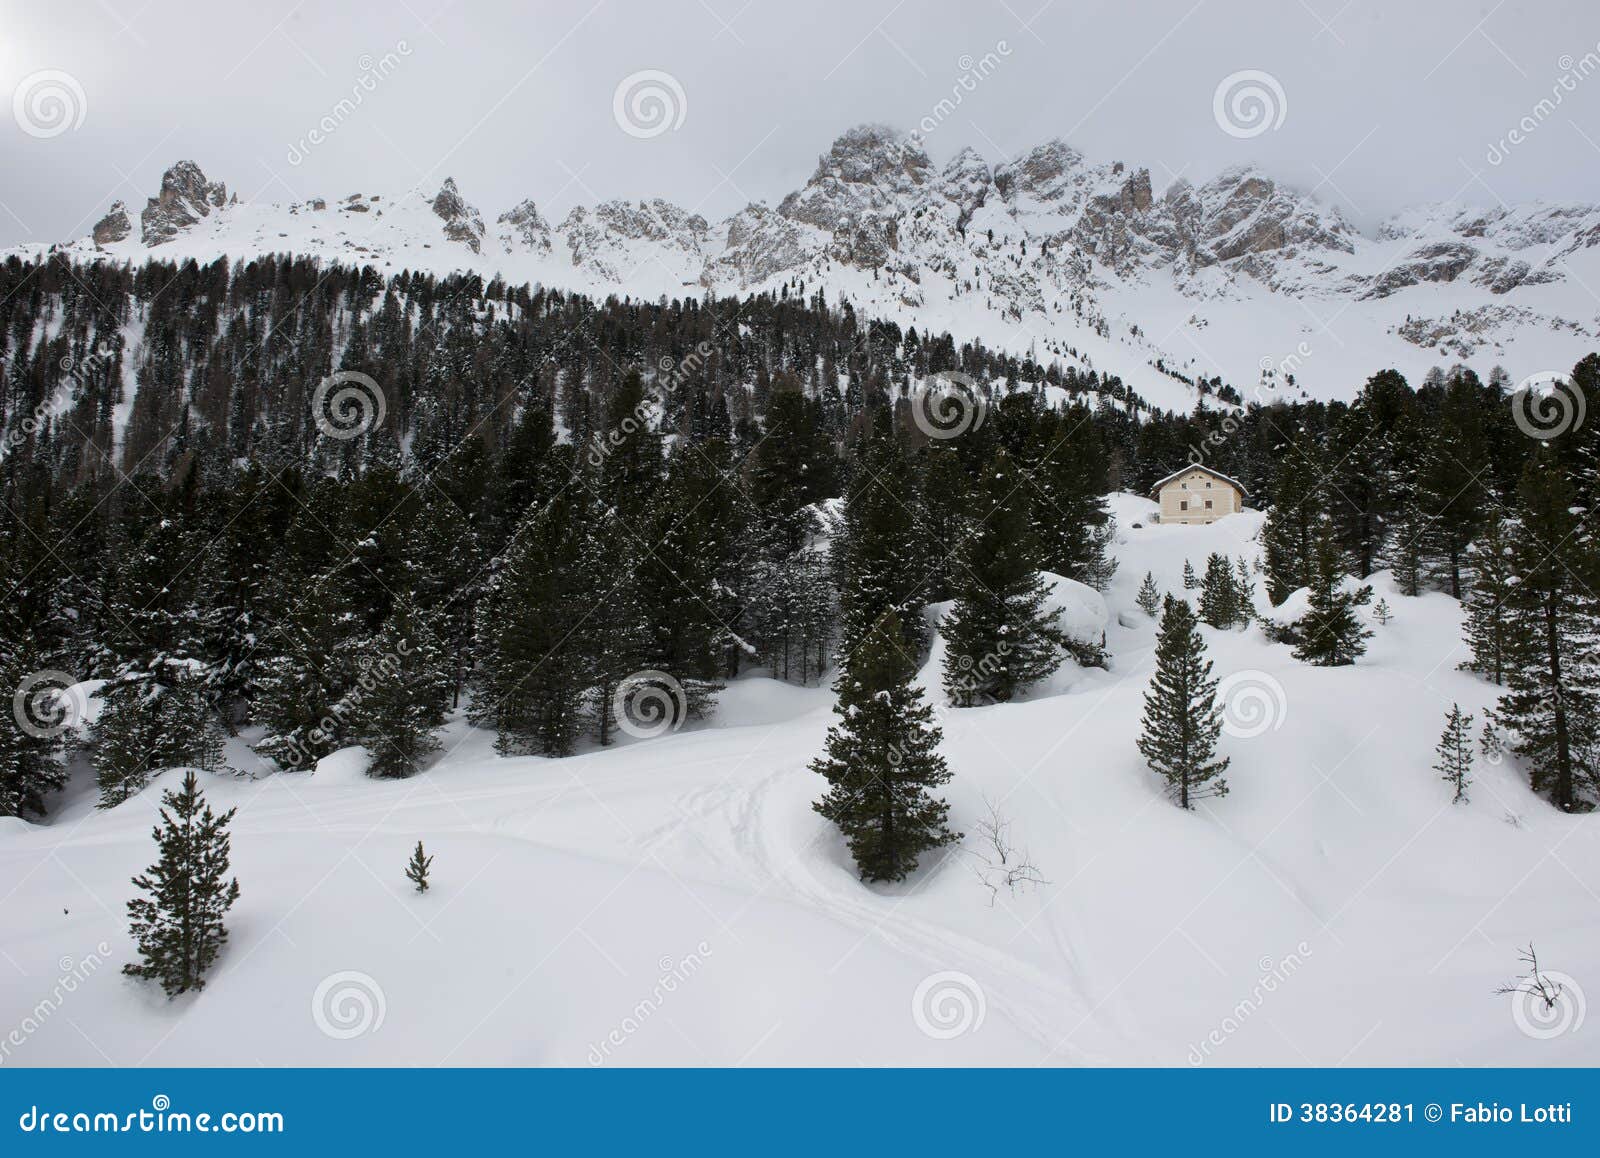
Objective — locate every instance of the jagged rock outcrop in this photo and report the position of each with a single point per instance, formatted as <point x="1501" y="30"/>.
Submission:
<point x="114" y="226"/>
<point x="186" y="196"/>
<point x="760" y="243"/>
<point x="461" y="221"/>
<point x="861" y="188"/>
<point x="524" y="228"/>
<point x="1044" y="232"/>
<point x="617" y="237"/>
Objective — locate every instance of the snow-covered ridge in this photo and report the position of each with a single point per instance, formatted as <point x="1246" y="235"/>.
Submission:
<point x="1049" y="251"/>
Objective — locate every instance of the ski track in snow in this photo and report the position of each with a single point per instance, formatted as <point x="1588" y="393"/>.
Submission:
<point x="1333" y="909"/>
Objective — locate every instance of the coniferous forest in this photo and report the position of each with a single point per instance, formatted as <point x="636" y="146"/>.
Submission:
<point x="323" y="506"/>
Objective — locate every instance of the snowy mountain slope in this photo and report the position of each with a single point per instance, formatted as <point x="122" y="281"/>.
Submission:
<point x="1048" y="252"/>
<point x="676" y="900"/>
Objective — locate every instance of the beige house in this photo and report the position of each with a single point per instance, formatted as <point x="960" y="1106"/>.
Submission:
<point x="1197" y="494"/>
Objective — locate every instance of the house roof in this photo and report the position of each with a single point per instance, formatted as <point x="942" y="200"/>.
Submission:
<point x="1155" y="491"/>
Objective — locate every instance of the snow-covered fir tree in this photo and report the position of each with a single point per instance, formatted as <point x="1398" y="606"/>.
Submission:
<point x="1331" y="633"/>
<point x="402" y="696"/>
<point x="1219" y="594"/>
<point x="178" y="926"/>
<point x="1453" y="754"/>
<point x="1488" y="599"/>
<point x="1552" y="657"/>
<point x="1001" y="635"/>
<point x="1182" y="718"/>
<point x="1149" y="597"/>
<point x="882" y="760"/>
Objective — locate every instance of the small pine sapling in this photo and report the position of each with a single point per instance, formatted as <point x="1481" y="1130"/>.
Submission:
<point x="1149" y="598"/>
<point x="1454" y="763"/>
<point x="417" y="868"/>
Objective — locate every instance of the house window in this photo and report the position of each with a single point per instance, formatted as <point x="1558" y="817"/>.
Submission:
<point x="1208" y="486"/>
<point x="1208" y="504"/>
<point x="1184" y="505"/>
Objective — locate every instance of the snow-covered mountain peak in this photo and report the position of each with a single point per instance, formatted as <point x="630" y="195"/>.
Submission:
<point x="1162" y="283"/>
<point x="461" y="221"/>
<point x="185" y="197"/>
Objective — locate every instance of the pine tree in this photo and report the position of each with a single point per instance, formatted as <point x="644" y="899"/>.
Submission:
<point x="536" y="665"/>
<point x="1149" y="598"/>
<point x="400" y="700"/>
<point x="1288" y="534"/>
<point x="1245" y="587"/>
<point x="1382" y="612"/>
<point x="878" y="558"/>
<point x="687" y="580"/>
<point x="179" y="926"/>
<point x="1330" y="633"/>
<point x="1182" y="718"/>
<point x="1490" y="746"/>
<point x="1190" y="580"/>
<point x="882" y="760"/>
<point x="1000" y="636"/>
<point x="150" y="722"/>
<point x="1219" y="598"/>
<point x="417" y="868"/>
<point x="1404" y="555"/>
<point x="1451" y="488"/>
<point x="1488" y="598"/>
<point x="1454" y="763"/>
<point x="1552" y="661"/>
<point x="30" y="762"/>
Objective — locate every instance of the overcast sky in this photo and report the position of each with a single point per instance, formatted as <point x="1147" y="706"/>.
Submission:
<point x="1382" y="105"/>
